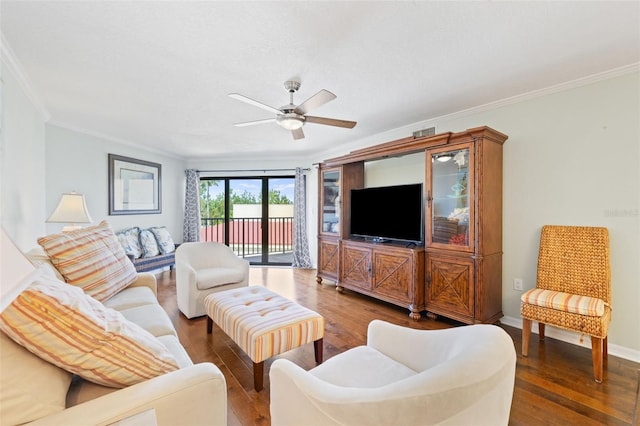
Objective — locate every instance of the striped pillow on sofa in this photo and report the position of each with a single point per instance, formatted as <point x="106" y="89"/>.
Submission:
<point x="64" y="326"/>
<point x="91" y="258"/>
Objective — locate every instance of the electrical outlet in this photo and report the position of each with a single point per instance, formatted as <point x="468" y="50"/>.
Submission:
<point x="518" y="284"/>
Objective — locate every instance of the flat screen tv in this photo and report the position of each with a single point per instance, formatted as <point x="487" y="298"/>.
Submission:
<point x="388" y="213"/>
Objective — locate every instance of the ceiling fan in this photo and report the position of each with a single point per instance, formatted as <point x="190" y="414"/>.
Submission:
<point x="292" y="117"/>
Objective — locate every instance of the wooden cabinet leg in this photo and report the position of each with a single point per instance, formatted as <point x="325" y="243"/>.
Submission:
<point x="319" y="279"/>
<point x="415" y="316"/>
<point x="526" y="336"/>
<point x="317" y="350"/>
<point x="339" y="288"/>
<point x="258" y="376"/>
<point x="597" y="355"/>
<point x="432" y="316"/>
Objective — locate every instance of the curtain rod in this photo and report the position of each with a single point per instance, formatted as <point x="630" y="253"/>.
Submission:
<point x="250" y="170"/>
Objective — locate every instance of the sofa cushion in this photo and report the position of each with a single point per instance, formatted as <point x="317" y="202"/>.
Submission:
<point x="214" y="277"/>
<point x="68" y="328"/>
<point x="163" y="237"/>
<point x="31" y="387"/>
<point x="91" y="258"/>
<point x="130" y="241"/>
<point x="149" y="244"/>
<point x="177" y="350"/>
<point x="131" y="297"/>
<point x="354" y="369"/>
<point x="151" y="318"/>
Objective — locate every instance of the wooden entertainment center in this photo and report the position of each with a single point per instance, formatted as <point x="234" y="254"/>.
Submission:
<point x="457" y="271"/>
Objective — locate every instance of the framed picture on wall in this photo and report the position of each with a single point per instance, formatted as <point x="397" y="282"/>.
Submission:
<point x="135" y="186"/>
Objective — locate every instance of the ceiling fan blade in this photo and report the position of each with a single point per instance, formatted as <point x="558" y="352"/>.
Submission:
<point x="251" y="123"/>
<point x="330" y="121"/>
<point x="297" y="133"/>
<point x="317" y="100"/>
<point x="253" y="102"/>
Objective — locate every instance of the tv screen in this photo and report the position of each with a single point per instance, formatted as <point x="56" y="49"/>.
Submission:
<point x="388" y="213"/>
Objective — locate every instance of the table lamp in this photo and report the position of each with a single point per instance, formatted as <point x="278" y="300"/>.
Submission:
<point x="71" y="209"/>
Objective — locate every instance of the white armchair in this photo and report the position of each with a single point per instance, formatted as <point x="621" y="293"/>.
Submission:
<point x="205" y="268"/>
<point x="456" y="376"/>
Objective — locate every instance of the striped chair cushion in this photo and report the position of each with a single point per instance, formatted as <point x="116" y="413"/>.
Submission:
<point x="262" y="323"/>
<point x="64" y="326"/>
<point x="91" y="258"/>
<point x="583" y="305"/>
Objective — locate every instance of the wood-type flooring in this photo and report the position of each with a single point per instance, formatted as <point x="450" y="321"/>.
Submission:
<point x="553" y="386"/>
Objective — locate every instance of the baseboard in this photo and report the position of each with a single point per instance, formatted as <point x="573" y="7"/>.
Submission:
<point x="574" y="338"/>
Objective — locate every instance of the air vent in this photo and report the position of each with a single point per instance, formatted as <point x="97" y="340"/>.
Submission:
<point x="424" y="132"/>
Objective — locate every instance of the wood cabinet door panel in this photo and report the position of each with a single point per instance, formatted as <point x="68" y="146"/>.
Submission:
<point x="356" y="267"/>
<point x="393" y="275"/>
<point x="329" y="258"/>
<point x="450" y="285"/>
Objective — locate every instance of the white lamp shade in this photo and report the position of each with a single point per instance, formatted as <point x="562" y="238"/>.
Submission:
<point x="71" y="209"/>
<point x="16" y="272"/>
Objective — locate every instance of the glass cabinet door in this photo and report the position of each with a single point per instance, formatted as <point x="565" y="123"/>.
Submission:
<point x="450" y="185"/>
<point x="330" y="202"/>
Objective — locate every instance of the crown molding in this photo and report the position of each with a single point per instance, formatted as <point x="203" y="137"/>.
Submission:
<point x="114" y="139"/>
<point x="11" y="61"/>
<point x="557" y="88"/>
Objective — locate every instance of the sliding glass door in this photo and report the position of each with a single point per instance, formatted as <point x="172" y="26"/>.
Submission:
<point x="253" y="216"/>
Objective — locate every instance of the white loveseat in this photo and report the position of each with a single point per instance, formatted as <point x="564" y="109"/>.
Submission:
<point x="37" y="392"/>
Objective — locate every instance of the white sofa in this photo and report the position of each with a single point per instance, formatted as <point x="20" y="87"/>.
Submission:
<point x="403" y="376"/>
<point x="204" y="268"/>
<point x="192" y="395"/>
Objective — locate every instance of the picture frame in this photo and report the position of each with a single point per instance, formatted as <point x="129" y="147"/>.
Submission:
<point x="135" y="186"/>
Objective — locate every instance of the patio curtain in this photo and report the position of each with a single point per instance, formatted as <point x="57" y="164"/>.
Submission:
<point x="191" y="228"/>
<point x="301" y="256"/>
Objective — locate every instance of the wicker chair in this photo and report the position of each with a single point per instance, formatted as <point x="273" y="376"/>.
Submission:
<point x="573" y="288"/>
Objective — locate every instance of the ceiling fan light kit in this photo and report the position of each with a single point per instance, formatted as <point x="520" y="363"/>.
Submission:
<point x="292" y="117"/>
<point x="290" y="120"/>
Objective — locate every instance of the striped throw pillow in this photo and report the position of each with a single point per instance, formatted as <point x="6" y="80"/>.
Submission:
<point x="583" y="305"/>
<point x="91" y="258"/>
<point x="64" y="326"/>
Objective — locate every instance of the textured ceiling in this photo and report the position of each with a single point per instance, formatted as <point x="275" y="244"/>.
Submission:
<point x="157" y="74"/>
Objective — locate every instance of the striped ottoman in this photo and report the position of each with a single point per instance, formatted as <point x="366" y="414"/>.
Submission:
<point x="263" y="324"/>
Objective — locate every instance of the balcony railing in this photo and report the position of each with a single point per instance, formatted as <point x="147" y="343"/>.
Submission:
<point x="245" y="234"/>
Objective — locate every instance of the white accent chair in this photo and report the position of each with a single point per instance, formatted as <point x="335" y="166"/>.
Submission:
<point x="205" y="268"/>
<point x="403" y="376"/>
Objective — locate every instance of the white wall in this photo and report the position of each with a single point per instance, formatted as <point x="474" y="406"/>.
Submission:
<point x="572" y="157"/>
<point x="79" y="162"/>
<point x="22" y="158"/>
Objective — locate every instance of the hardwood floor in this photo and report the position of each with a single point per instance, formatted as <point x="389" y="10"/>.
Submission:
<point x="554" y="385"/>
